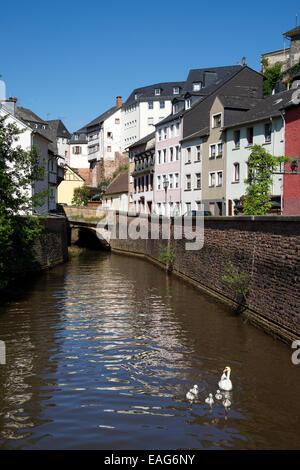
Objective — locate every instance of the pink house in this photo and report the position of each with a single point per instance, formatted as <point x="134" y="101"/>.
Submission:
<point x="167" y="191"/>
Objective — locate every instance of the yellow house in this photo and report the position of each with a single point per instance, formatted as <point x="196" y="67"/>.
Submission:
<point x="65" y="189"/>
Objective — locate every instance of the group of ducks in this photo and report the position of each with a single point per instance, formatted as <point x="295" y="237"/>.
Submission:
<point x="224" y="384"/>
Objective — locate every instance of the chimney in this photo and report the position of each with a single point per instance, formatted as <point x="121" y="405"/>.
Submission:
<point x="10" y="104"/>
<point x="119" y="101"/>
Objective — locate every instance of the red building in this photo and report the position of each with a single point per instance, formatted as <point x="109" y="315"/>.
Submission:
<point x="291" y="183"/>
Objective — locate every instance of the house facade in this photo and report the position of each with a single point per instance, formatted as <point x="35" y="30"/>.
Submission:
<point x="191" y="172"/>
<point x="167" y="184"/>
<point x="291" y="182"/>
<point x="34" y="134"/>
<point x="116" y="194"/>
<point x="145" y="107"/>
<point x="141" y="178"/>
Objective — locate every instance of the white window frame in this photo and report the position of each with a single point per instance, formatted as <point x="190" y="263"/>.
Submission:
<point x="213" y="118"/>
<point x="157" y="91"/>
<point x="210" y="179"/>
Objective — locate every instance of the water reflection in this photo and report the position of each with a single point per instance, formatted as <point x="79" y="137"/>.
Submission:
<point x="102" y="351"/>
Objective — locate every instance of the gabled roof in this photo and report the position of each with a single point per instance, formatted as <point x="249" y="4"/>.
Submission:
<point x="148" y="92"/>
<point x="98" y="120"/>
<point x="293" y="32"/>
<point x="58" y="128"/>
<point x="118" y="185"/>
<point x="270" y="106"/>
<point x="73" y="170"/>
<point x="27" y="115"/>
<point x="210" y="78"/>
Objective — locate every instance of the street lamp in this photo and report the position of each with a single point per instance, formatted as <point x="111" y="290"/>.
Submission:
<point x="166" y="185"/>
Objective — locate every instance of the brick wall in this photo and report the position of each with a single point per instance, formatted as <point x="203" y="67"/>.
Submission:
<point x="266" y="248"/>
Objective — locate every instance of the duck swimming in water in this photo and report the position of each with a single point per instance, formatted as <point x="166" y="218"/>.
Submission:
<point x="192" y="393"/>
<point x="209" y="400"/>
<point x="225" y="382"/>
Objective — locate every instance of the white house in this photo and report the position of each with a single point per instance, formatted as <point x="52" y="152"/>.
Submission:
<point x="33" y="134"/>
<point x="145" y="107"/>
<point x="264" y="126"/>
<point x="191" y="173"/>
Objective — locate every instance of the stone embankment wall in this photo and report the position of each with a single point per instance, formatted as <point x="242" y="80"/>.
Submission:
<point x="265" y="249"/>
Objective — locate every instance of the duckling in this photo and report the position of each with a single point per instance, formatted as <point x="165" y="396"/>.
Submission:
<point x="218" y="395"/>
<point x="192" y="393"/>
<point x="226" y="403"/>
<point x="209" y="400"/>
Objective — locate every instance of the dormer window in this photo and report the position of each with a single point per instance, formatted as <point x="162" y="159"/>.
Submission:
<point x="176" y="90"/>
<point x="175" y="108"/>
<point x="135" y="96"/>
<point x="188" y="103"/>
<point x="217" y="120"/>
<point x="196" y="86"/>
<point x="157" y="91"/>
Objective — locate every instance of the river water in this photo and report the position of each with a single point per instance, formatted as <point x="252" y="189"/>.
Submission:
<point x="101" y="351"/>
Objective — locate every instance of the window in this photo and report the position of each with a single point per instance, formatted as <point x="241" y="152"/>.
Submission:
<point x="188" y="206"/>
<point x="159" y="157"/>
<point x="237" y="138"/>
<point x="162" y="104"/>
<point x="212" y="179"/>
<point x="165" y="133"/>
<point x="220" y="149"/>
<point x="177" y="128"/>
<point x="109" y="148"/>
<point x="172" y="130"/>
<point x="188" y="182"/>
<point x="171" y="181"/>
<point x="117" y="121"/>
<point x="159" y="134"/>
<point x="212" y="151"/>
<point x="165" y="155"/>
<point x="250" y="136"/>
<point x="175" y="108"/>
<point x="157" y="91"/>
<point x="171" y="154"/>
<point x="188" y="155"/>
<point x="158" y="182"/>
<point x="109" y="135"/>
<point x="77" y="150"/>
<point x="176" y="180"/>
<point x="217" y="120"/>
<point x="198" y="153"/>
<point x="196" y="86"/>
<point x="219" y="178"/>
<point x="150" y="104"/>
<point x="236" y="172"/>
<point x="198" y="180"/>
<point x="176" y="90"/>
<point x="187" y="103"/>
<point x="150" y="121"/>
<point x="268" y="132"/>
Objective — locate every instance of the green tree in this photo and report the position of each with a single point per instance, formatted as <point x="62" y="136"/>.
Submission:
<point x="19" y="169"/>
<point x="261" y="167"/>
<point x="81" y="196"/>
<point x="272" y="75"/>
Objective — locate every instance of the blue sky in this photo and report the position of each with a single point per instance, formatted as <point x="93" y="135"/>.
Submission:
<point x="70" y="60"/>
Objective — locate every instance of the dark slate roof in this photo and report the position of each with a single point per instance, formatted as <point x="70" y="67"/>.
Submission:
<point x="293" y="32"/>
<point x="59" y="128"/>
<point x="82" y="138"/>
<point x="27" y="115"/>
<point x="98" y="120"/>
<point x="118" y="185"/>
<point x="147" y="93"/>
<point x="144" y="140"/>
<point x="265" y="108"/>
<point x="211" y="78"/>
<point x="202" y="133"/>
